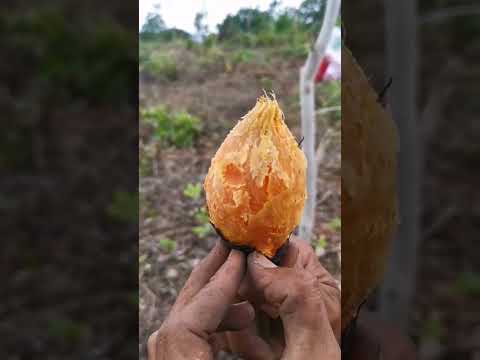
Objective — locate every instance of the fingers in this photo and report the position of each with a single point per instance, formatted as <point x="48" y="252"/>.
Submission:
<point x="330" y="292"/>
<point x="202" y="273"/>
<point x="249" y="345"/>
<point x="296" y="294"/>
<point x="210" y="305"/>
<point x="152" y="346"/>
<point x="239" y="316"/>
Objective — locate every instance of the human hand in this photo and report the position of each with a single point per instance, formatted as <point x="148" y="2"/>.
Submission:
<point x="302" y="301"/>
<point x="204" y="306"/>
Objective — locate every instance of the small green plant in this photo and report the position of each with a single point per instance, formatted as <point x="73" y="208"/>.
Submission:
<point x="167" y="244"/>
<point x="193" y="191"/>
<point x="124" y="206"/>
<point x="67" y="330"/>
<point x="295" y="51"/>
<point x="210" y="56"/>
<point x="433" y="328"/>
<point x="320" y="245"/>
<point x="468" y="283"/>
<point x="201" y="216"/>
<point x="242" y="56"/>
<point x="335" y="224"/>
<point x="267" y="38"/>
<point x="210" y="41"/>
<point x="146" y="156"/>
<point x="161" y="66"/>
<point x="322" y="241"/>
<point x="186" y="128"/>
<point x="178" y="129"/>
<point x="202" y="230"/>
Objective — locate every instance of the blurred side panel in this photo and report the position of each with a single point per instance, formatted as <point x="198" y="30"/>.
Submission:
<point x="69" y="180"/>
<point x="431" y="287"/>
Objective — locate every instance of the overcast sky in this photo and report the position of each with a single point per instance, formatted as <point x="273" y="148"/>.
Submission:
<point x="181" y="13"/>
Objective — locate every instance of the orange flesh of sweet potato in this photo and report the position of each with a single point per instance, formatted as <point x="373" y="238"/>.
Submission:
<point x="255" y="186"/>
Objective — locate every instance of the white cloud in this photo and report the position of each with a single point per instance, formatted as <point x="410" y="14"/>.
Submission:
<point x="181" y="13"/>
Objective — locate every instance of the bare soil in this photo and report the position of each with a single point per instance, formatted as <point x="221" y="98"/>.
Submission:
<point x="219" y="96"/>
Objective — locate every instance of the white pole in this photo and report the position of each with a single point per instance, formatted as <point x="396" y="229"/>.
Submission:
<point x="307" y="104"/>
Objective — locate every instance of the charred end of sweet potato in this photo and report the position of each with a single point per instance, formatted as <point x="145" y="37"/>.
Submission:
<point x="276" y="258"/>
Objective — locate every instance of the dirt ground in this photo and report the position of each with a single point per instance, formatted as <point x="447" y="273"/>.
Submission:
<point x="219" y="98"/>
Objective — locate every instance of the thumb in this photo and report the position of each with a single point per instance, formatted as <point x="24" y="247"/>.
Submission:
<point x="208" y="308"/>
<point x="292" y="291"/>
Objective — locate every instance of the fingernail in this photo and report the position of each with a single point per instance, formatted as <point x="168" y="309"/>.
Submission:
<point x="261" y="260"/>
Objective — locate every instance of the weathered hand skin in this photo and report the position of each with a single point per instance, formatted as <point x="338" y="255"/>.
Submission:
<point x="302" y="301"/>
<point x="300" y="297"/>
<point x="206" y="304"/>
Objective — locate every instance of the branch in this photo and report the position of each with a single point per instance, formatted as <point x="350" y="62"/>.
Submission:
<point x="450" y="13"/>
<point x="328" y="109"/>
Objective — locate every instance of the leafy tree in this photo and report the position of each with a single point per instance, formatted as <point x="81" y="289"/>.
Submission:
<point x="273" y="7"/>
<point x="245" y="21"/>
<point x="154" y="25"/>
<point x="310" y="14"/>
<point x="286" y="21"/>
<point x="173" y="34"/>
<point x="200" y="26"/>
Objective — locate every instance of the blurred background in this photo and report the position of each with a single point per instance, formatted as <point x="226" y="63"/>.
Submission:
<point x="202" y="66"/>
<point x="68" y="184"/>
<point x="431" y="50"/>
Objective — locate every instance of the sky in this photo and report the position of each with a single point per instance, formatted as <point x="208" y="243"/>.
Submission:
<point x="181" y="13"/>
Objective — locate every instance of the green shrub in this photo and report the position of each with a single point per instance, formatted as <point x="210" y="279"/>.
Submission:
<point x="242" y="56"/>
<point x="267" y="38"/>
<point x="212" y="55"/>
<point x="295" y="51"/>
<point x="468" y="283"/>
<point x="162" y="66"/>
<point x="177" y="129"/>
<point x="185" y="128"/>
<point x="244" y="39"/>
<point x="210" y="41"/>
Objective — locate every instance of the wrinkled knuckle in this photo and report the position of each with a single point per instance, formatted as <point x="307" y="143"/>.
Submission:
<point x="303" y="286"/>
<point x="152" y="341"/>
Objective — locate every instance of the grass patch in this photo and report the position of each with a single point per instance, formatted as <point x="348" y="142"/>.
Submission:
<point x="177" y="129"/>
